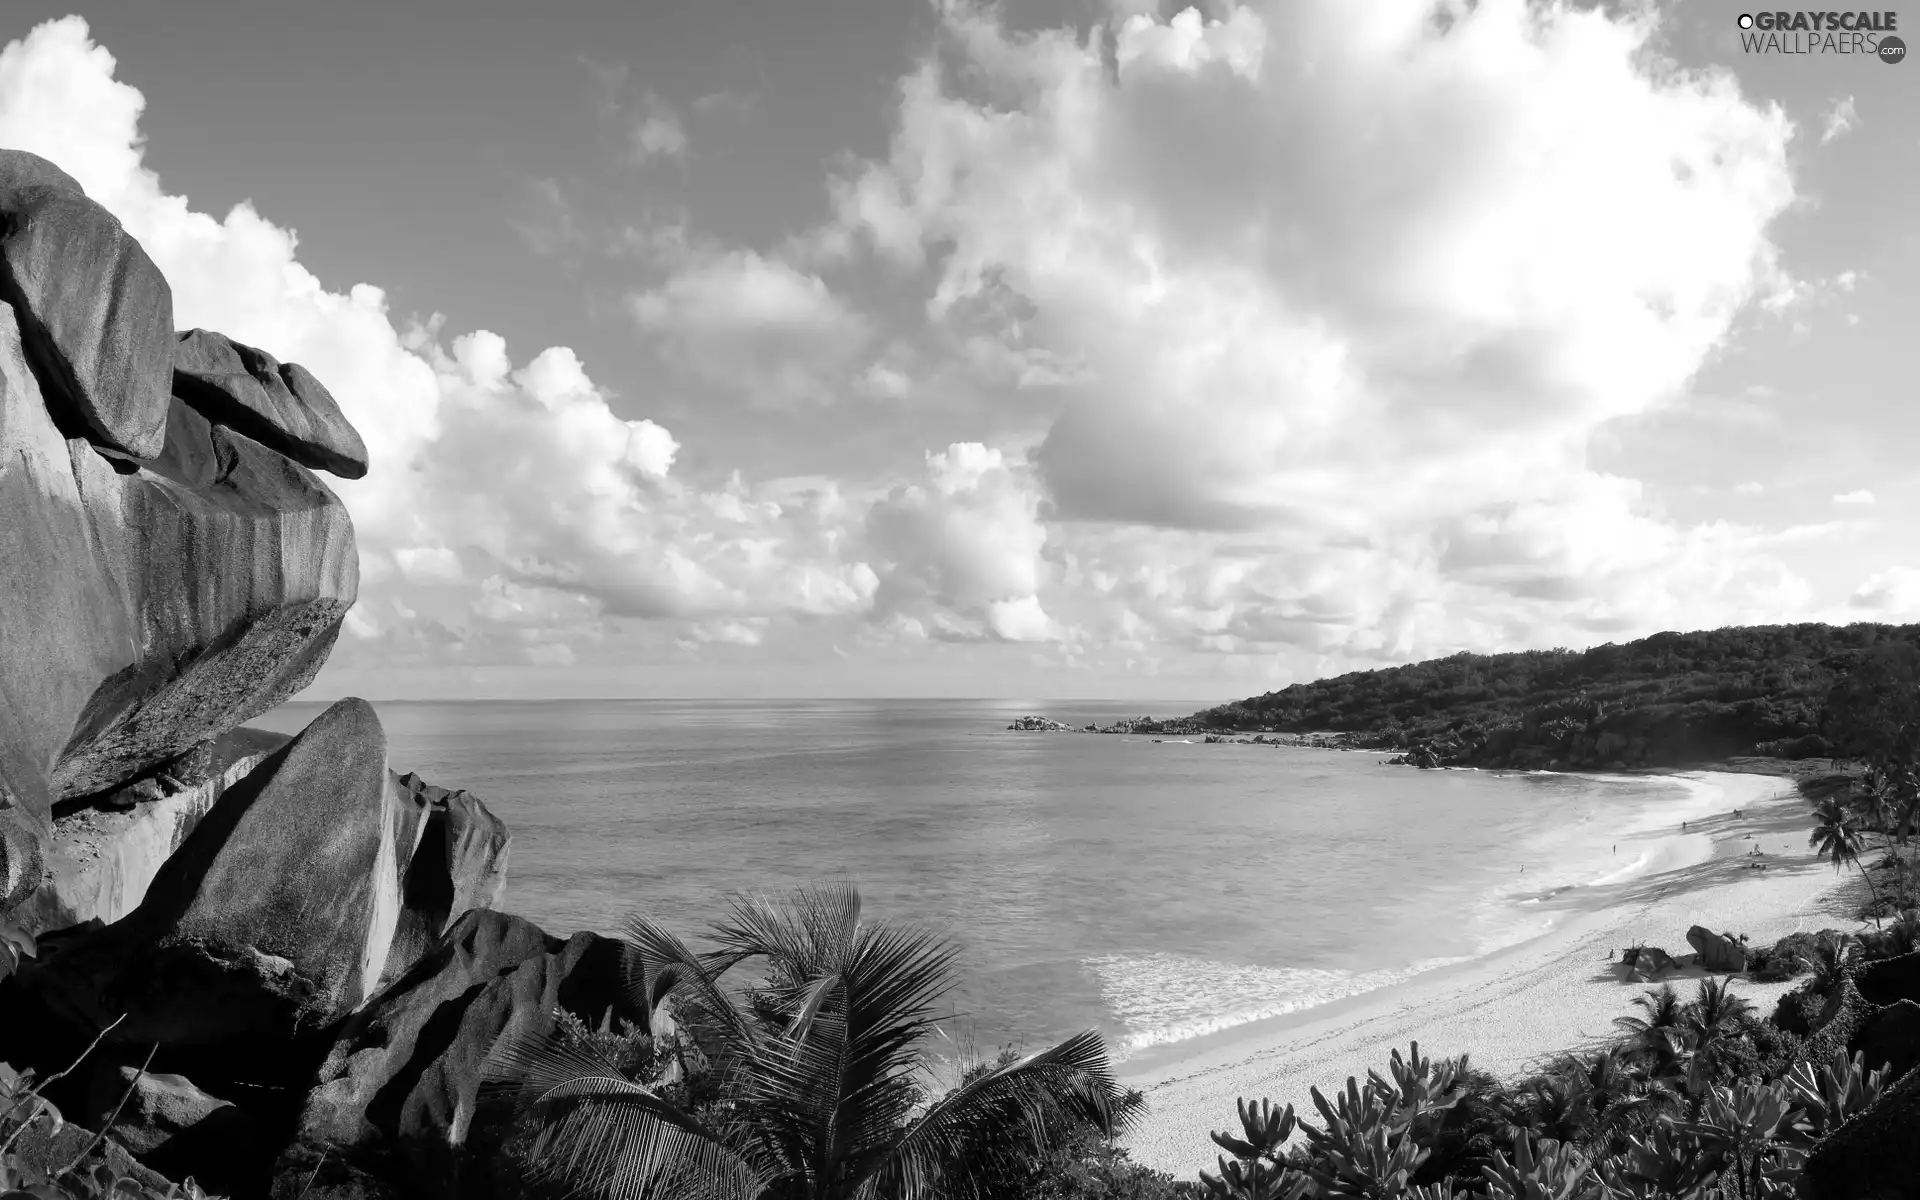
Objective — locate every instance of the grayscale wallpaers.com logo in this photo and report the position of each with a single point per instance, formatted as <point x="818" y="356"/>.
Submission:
<point x="1863" y="33"/>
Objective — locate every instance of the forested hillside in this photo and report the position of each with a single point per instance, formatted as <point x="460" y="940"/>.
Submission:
<point x="1668" y="699"/>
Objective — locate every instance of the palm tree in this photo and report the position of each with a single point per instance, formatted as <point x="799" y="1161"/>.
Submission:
<point x="814" y="1072"/>
<point x="1838" y="839"/>
<point x="1833" y="953"/>
<point x="1657" y="1040"/>
<point x="1711" y="1018"/>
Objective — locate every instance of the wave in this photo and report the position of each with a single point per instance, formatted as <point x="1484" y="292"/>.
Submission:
<point x="1165" y="998"/>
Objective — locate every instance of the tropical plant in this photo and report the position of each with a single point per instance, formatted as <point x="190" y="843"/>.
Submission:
<point x="815" y="1071"/>
<point x="1260" y="1168"/>
<point x="1711" y="1020"/>
<point x="1836" y="837"/>
<point x="1831" y="955"/>
<point x="1657" y="1039"/>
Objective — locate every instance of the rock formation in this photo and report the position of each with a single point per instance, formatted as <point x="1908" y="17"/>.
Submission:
<point x="266" y="916"/>
<point x="1721" y="953"/>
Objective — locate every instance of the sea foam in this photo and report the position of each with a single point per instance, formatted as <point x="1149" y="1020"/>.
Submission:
<point x="1165" y="998"/>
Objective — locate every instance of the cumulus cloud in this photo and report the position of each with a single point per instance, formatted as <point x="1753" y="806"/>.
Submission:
<point x="759" y="324"/>
<point x="509" y="508"/>
<point x="961" y="552"/>
<point x="1890" y="595"/>
<point x="1857" y="496"/>
<point x="1314" y="308"/>
<point x="1354" y="286"/>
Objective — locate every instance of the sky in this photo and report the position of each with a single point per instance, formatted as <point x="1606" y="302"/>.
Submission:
<point x="1078" y="348"/>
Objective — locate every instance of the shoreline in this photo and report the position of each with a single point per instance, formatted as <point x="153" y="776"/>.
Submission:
<point x="1523" y="1003"/>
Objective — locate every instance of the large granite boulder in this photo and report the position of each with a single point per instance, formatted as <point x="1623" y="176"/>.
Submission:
<point x="97" y="315"/>
<point x="1648" y="962"/>
<point x="1720" y="953"/>
<point x="399" y="1092"/>
<point x="459" y="863"/>
<point x="24" y="839"/>
<point x="146" y="609"/>
<point x="148" y="1110"/>
<point x="273" y="919"/>
<point x="280" y="405"/>
<point x="106" y="853"/>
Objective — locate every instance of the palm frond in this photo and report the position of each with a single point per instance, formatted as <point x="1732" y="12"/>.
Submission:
<point x="605" y="1134"/>
<point x="955" y="1137"/>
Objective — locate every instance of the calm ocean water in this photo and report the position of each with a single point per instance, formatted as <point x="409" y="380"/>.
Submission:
<point x="1155" y="891"/>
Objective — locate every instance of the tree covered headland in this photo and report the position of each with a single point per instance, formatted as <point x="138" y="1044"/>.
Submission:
<point x="1664" y="700"/>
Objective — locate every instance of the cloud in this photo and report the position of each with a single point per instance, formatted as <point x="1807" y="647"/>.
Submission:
<point x="960" y="554"/>
<point x="1320" y="282"/>
<point x="752" y="323"/>
<point x="1889" y="595"/>
<point x="509" y="509"/>
<point x="659" y="133"/>
<point x="1277" y="340"/>
<point x="1858" y="496"/>
<point x="1841" y="118"/>
<point x="1751" y="487"/>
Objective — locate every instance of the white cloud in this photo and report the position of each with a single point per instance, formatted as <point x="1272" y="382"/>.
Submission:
<point x="1857" y="496"/>
<point x="753" y="323"/>
<point x="960" y="554"/>
<point x="1335" y="285"/>
<point x="1841" y="118"/>
<point x="1891" y="595"/>
<point x="1751" y="487"/>
<point x="505" y="500"/>
<point x="1311" y="311"/>
<point x="659" y="133"/>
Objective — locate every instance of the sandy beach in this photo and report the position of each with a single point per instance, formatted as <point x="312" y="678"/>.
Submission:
<point x="1521" y="1005"/>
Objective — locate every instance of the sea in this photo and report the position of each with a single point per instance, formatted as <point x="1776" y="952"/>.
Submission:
<point x="1154" y="889"/>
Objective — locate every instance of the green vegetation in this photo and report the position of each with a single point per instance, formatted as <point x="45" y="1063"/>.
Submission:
<point x="1699" y="1100"/>
<point x="807" y="1082"/>
<point x="1666" y="699"/>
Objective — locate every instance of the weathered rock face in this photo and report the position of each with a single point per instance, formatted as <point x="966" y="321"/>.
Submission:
<point x="96" y="312"/>
<point x="401" y="1085"/>
<point x="24" y="837"/>
<point x="1717" y="952"/>
<point x="1649" y="962"/>
<point x="106" y="854"/>
<point x="272" y="920"/>
<point x="156" y="1110"/>
<point x="280" y="405"/>
<point x="144" y="610"/>
<point x="459" y="863"/>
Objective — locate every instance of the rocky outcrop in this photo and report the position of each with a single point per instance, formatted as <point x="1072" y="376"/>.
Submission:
<point x="96" y="314"/>
<point x="280" y="405"/>
<point x="224" y="903"/>
<point x="459" y="863"/>
<point x="1721" y="953"/>
<point x="149" y="1111"/>
<point x="146" y="609"/>
<point x="400" y="1089"/>
<point x="1648" y="962"/>
<point x="275" y="917"/>
<point x="105" y="853"/>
